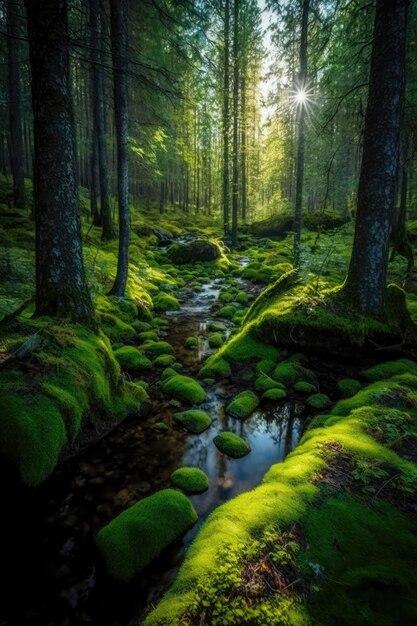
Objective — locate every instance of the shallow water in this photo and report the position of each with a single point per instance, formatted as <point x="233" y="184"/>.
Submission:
<point x="48" y="535"/>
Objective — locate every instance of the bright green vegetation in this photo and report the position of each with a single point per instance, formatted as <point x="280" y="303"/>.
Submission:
<point x="215" y="368"/>
<point x="184" y="389"/>
<point x="190" y="480"/>
<point x="132" y="359"/>
<point x="156" y="348"/>
<point x="348" y="387"/>
<point x="304" y="387"/>
<point x="215" y="340"/>
<point x="243" y="404"/>
<point x="227" y="312"/>
<point x="138" y="535"/>
<point x="333" y="517"/>
<point x="274" y="395"/>
<point x="264" y="382"/>
<point x="193" y="420"/>
<point x="75" y="379"/>
<point x="161" y="427"/>
<point x="164" y="360"/>
<point x="166" y="302"/>
<point x="231" y="444"/>
<point x="191" y="343"/>
<point x="319" y="401"/>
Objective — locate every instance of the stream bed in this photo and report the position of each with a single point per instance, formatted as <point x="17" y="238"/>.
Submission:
<point x="54" y="576"/>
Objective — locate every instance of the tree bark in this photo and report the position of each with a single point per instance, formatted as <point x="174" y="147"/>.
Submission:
<point x="17" y="156"/>
<point x="119" y="37"/>
<point x="235" y="195"/>
<point x="61" y="286"/>
<point x="302" y="84"/>
<point x="366" y="280"/>
<point x="226" y="119"/>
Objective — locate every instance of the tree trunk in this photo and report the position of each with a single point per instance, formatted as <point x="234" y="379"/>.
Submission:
<point x="366" y="279"/>
<point x="235" y="196"/>
<point x="162" y="198"/>
<point x="17" y="156"/>
<point x="243" y="151"/>
<point x="302" y="84"/>
<point x="99" y="136"/>
<point x="61" y="287"/>
<point x="119" y="37"/>
<point x="226" y="119"/>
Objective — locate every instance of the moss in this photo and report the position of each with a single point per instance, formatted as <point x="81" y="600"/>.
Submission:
<point x="190" y="480"/>
<point x="215" y="340"/>
<point x="348" y="387"/>
<point x="304" y="387"/>
<point x="243" y="404"/>
<point x="265" y="366"/>
<point x="193" y="420"/>
<point x="148" y="335"/>
<point x="115" y="328"/>
<point x="195" y="251"/>
<point x="191" y="343"/>
<point x="319" y="401"/>
<point x="381" y="393"/>
<point x="227" y="312"/>
<point x="167" y="373"/>
<point x="264" y="382"/>
<point x="131" y="359"/>
<point x="232" y="445"/>
<point x="390" y="369"/>
<point x="215" y="327"/>
<point x="166" y="302"/>
<point x="242" y="297"/>
<point x="140" y="326"/>
<point x="274" y="395"/>
<point x="161" y="427"/>
<point x="289" y="372"/>
<point x="215" y="368"/>
<point x="156" y="348"/>
<point x="138" y="535"/>
<point x="164" y="360"/>
<point x="184" y="389"/>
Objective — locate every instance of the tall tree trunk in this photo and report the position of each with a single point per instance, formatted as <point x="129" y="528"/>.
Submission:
<point x="94" y="187"/>
<point x="302" y="84"/>
<point x="17" y="156"/>
<point x="99" y="136"/>
<point x="366" y="279"/>
<point x="119" y="37"/>
<point x="235" y="196"/>
<point x="162" y="197"/>
<point x="226" y="119"/>
<point x="243" y="149"/>
<point x="61" y="286"/>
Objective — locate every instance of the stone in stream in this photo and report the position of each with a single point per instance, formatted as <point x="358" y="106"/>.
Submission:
<point x="194" y="251"/>
<point x="194" y="421"/>
<point x="190" y="480"/>
<point x="137" y="536"/>
<point x="231" y="444"/>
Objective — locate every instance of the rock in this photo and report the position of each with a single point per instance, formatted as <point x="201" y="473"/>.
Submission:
<point x="194" y="251"/>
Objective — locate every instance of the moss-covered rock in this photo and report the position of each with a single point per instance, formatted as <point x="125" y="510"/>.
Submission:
<point x="195" y="251"/>
<point x="166" y="302"/>
<point x="304" y="387"/>
<point x="184" y="389"/>
<point x="190" y="480"/>
<point x="348" y="387"/>
<point x="168" y="372"/>
<point x="274" y="395"/>
<point x="215" y="340"/>
<point x="215" y="368"/>
<point x="156" y="348"/>
<point x="148" y="335"/>
<point x="138" y="535"/>
<point x="319" y="401"/>
<point x="193" y="420"/>
<point x="232" y="445"/>
<point x="191" y="343"/>
<point x="164" y="360"/>
<point x="131" y="359"/>
<point x="243" y="404"/>
<point x="227" y="312"/>
<point x="264" y="382"/>
<point x="161" y="427"/>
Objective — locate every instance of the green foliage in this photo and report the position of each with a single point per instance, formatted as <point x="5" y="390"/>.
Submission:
<point x="190" y="480"/>
<point x="156" y="348"/>
<point x="215" y="368"/>
<point x="348" y="387"/>
<point x="304" y="387"/>
<point x="164" y="360"/>
<point x="166" y="302"/>
<point x="231" y="444"/>
<point x="193" y="420"/>
<point x="274" y="395"/>
<point x="137" y="536"/>
<point x="242" y="405"/>
<point x="319" y="401"/>
<point x="215" y="340"/>
<point x="131" y="359"/>
<point x="264" y="382"/>
<point x="184" y="389"/>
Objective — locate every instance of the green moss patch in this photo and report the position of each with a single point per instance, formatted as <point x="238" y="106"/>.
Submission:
<point x="215" y="340"/>
<point x="193" y="420"/>
<point x="304" y="387"/>
<point x="164" y="360"/>
<point x="184" y="389"/>
<point x="191" y="343"/>
<point x="132" y="359"/>
<point x="190" y="480"/>
<point x="155" y="348"/>
<point x="243" y="404"/>
<point x="348" y="387"/>
<point x="232" y="445"/>
<point x="166" y="302"/>
<point x="319" y="401"/>
<point x="274" y="395"/>
<point x="138" y="535"/>
<point x="264" y="382"/>
<point x="215" y="368"/>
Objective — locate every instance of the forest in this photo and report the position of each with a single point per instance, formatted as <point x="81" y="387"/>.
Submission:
<point x="208" y="312"/>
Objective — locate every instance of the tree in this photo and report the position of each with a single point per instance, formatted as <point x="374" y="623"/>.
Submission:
<point x="226" y="118"/>
<point x="235" y="192"/>
<point x="302" y="86"/>
<point x="99" y="139"/>
<point x="366" y="279"/>
<point x="120" y="51"/>
<point x="15" y="107"/>
<point x="61" y="287"/>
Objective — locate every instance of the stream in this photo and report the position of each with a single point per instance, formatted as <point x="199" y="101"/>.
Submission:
<point x="53" y="574"/>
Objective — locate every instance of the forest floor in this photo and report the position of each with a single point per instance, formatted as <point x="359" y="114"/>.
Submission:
<point x="320" y="530"/>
